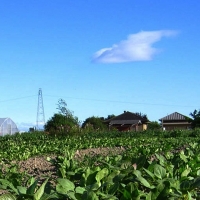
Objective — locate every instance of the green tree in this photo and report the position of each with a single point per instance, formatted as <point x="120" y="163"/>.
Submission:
<point x="110" y="117"/>
<point x="63" y="121"/>
<point x="195" y="122"/>
<point x="56" y="123"/>
<point x="154" y="125"/>
<point x="62" y="108"/>
<point x="141" y="115"/>
<point x="94" y="123"/>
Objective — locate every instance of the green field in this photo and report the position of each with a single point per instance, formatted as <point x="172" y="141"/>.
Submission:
<point x="101" y="165"/>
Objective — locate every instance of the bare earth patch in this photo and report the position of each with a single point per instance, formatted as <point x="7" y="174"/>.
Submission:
<point x="40" y="168"/>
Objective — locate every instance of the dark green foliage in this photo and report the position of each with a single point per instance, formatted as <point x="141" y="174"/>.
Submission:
<point x="195" y="122"/>
<point x="110" y="117"/>
<point x="147" y="167"/>
<point x="62" y="122"/>
<point x="141" y="115"/>
<point x="154" y="125"/>
<point x="95" y="123"/>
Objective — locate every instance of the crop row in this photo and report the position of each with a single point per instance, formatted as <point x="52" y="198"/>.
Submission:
<point x="149" y="168"/>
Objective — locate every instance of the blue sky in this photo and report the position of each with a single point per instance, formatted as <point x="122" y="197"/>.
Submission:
<point x="101" y="57"/>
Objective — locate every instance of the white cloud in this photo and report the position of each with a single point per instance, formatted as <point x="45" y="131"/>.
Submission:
<point x="137" y="47"/>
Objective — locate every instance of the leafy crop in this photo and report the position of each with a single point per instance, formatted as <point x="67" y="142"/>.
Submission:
<point x="154" y="166"/>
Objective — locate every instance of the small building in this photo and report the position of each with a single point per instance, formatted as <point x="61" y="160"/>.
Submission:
<point x="175" y="121"/>
<point x="128" y="121"/>
<point x="7" y="127"/>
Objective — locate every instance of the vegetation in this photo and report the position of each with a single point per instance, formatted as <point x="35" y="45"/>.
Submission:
<point x="95" y="123"/>
<point x="154" y="125"/>
<point x="152" y="165"/>
<point x="195" y="121"/>
<point x="142" y="115"/>
<point x="110" y="117"/>
<point x="97" y="164"/>
<point x="62" y="122"/>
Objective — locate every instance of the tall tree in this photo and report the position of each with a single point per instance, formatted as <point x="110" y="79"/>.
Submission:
<point x="63" y="121"/>
<point x="141" y="115"/>
<point x="62" y="108"/>
<point x="110" y="116"/>
<point x="195" y="122"/>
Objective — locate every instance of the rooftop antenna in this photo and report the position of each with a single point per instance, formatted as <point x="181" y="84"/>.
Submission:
<point x="40" y="111"/>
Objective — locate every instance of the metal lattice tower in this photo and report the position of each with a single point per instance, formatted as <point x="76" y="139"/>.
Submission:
<point x="40" y="111"/>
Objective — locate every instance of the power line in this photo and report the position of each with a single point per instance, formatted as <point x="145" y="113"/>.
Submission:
<point x="17" y="98"/>
<point x="124" y="102"/>
<point x="101" y="100"/>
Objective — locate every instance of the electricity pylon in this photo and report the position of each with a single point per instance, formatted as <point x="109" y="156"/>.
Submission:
<point x="40" y="121"/>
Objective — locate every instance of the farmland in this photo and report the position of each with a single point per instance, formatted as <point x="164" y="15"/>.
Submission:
<point x="108" y="165"/>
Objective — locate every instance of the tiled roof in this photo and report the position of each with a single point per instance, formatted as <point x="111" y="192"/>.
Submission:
<point x="174" y="116"/>
<point x="125" y="122"/>
<point x="127" y="116"/>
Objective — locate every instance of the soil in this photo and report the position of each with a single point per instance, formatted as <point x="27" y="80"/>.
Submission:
<point x="40" y="168"/>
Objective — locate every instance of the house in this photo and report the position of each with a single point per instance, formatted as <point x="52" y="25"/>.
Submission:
<point x="128" y="121"/>
<point x="175" y="121"/>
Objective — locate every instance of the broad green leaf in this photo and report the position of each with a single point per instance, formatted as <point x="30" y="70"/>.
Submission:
<point x="174" y="183"/>
<point x="40" y="191"/>
<point x="91" y="178"/>
<point x="161" y="159"/>
<point x="113" y="188"/>
<point x="101" y="174"/>
<point x="106" y="196"/>
<point x="21" y="190"/>
<point x="149" y="196"/>
<point x="119" y="177"/>
<point x="32" y="188"/>
<point x="189" y="197"/>
<point x="126" y="194"/>
<point x="90" y="195"/>
<point x="71" y="195"/>
<point x="64" y="186"/>
<point x="185" y="172"/>
<point x="7" y="197"/>
<point x="53" y="195"/>
<point x="149" y="173"/>
<point x="144" y="182"/>
<point x="9" y="184"/>
<point x="112" y="176"/>
<point x="185" y="185"/>
<point x="63" y="172"/>
<point x="31" y="180"/>
<point x="196" y="183"/>
<point x="118" y="158"/>
<point x="183" y="157"/>
<point x="159" y="171"/>
<point x="140" y="161"/>
<point x="160" y="191"/>
<point x="80" y="190"/>
<point x="70" y="173"/>
<point x="93" y="187"/>
<point x="133" y="189"/>
<point x="193" y="145"/>
<point x="137" y="173"/>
